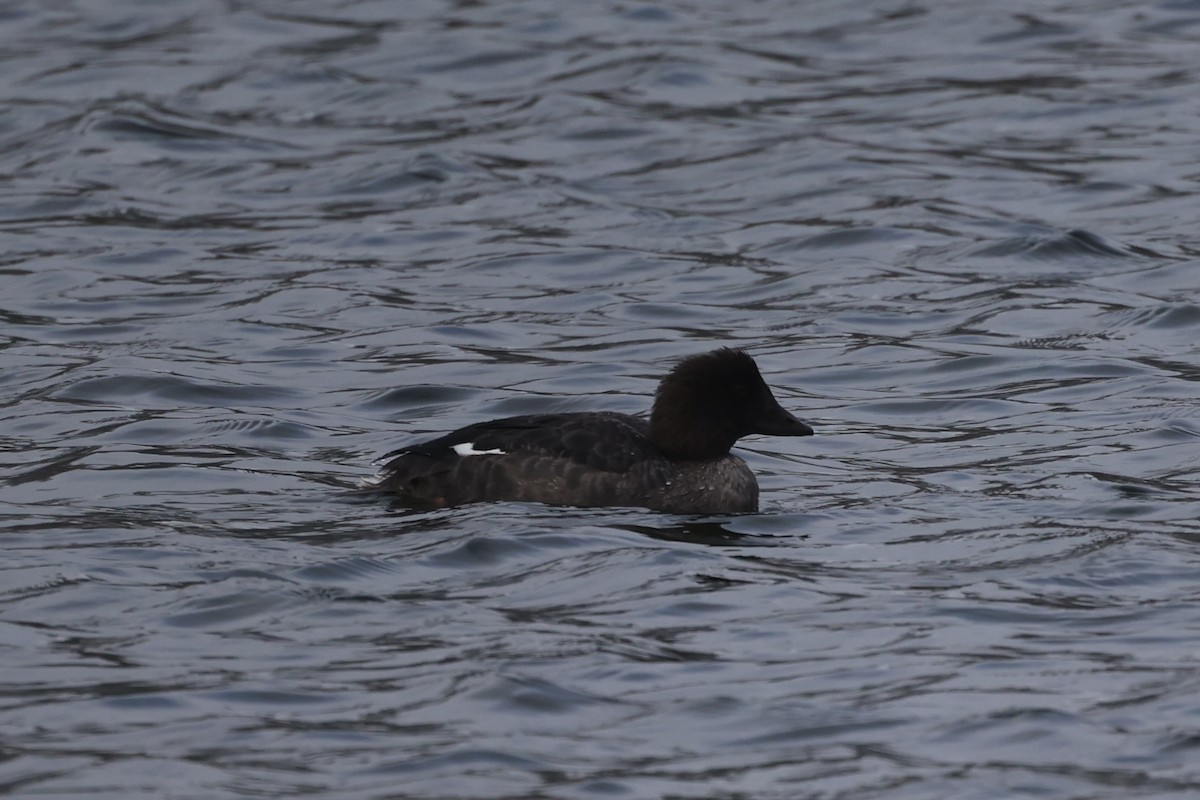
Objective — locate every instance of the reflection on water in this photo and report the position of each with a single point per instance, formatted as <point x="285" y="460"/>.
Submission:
<point x="246" y="250"/>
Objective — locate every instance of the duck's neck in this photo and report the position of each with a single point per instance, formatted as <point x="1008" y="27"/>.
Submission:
<point x="682" y="440"/>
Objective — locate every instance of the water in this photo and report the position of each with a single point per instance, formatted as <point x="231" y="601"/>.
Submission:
<point x="247" y="248"/>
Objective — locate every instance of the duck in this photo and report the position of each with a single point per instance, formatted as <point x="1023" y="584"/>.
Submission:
<point x="677" y="460"/>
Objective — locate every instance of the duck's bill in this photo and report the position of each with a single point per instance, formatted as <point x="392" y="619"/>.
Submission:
<point x="777" y="421"/>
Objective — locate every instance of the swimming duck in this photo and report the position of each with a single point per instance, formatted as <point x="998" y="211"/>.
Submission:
<point x="677" y="461"/>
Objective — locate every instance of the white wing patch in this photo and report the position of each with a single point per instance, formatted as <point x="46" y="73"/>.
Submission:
<point x="468" y="449"/>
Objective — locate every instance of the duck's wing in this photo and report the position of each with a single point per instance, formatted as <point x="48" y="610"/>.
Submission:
<point x="567" y="459"/>
<point x="603" y="440"/>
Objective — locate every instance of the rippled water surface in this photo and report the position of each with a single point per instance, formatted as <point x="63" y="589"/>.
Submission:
<point x="249" y="247"/>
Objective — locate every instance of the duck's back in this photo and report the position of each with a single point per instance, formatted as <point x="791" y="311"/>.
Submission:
<point x="563" y="459"/>
<point x="584" y="459"/>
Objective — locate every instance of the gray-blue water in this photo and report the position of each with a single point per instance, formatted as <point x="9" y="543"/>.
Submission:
<point x="246" y="248"/>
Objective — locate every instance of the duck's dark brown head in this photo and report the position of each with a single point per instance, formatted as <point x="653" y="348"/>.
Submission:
<point x="708" y="402"/>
